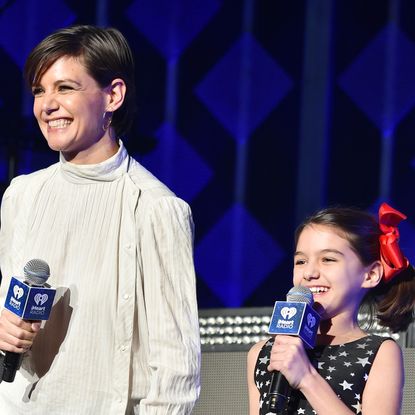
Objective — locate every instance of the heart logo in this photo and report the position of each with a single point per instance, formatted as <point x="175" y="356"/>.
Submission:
<point x="288" y="312"/>
<point x="41" y="299"/>
<point x="311" y="320"/>
<point x="18" y="291"/>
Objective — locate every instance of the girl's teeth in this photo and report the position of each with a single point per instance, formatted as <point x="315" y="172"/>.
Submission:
<point x="317" y="290"/>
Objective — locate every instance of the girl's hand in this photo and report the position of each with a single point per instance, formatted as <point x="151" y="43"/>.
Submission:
<point x="289" y="357"/>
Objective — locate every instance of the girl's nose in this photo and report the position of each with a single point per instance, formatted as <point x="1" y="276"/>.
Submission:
<point x="311" y="274"/>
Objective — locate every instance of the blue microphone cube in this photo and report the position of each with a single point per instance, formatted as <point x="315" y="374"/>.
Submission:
<point x="27" y="302"/>
<point x="295" y="319"/>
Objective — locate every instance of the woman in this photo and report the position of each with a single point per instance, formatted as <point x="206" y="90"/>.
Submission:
<point x="123" y="333"/>
<point x="345" y="257"/>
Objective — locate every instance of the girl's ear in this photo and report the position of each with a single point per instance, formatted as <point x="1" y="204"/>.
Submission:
<point x="373" y="275"/>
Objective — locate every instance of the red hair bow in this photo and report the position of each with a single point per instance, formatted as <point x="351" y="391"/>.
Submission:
<point x="391" y="256"/>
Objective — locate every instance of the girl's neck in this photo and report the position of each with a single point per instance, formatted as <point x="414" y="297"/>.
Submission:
<point x="339" y="332"/>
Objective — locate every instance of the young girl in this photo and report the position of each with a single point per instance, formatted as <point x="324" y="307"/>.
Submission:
<point x="346" y="258"/>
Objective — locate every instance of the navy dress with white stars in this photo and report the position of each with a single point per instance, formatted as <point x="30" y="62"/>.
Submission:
<point x="346" y="368"/>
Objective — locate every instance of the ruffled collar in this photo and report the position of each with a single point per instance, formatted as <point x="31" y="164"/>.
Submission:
<point x="106" y="171"/>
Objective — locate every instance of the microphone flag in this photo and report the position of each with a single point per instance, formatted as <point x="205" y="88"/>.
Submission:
<point x="29" y="302"/>
<point x="296" y="319"/>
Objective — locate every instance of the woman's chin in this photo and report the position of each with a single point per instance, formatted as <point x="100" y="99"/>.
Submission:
<point x="56" y="145"/>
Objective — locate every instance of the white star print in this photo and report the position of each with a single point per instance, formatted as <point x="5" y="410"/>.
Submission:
<point x="362" y="346"/>
<point x="269" y="343"/>
<point x="346" y="385"/>
<point x="358" y="407"/>
<point x="365" y="348"/>
<point x="363" y="362"/>
<point x="264" y="360"/>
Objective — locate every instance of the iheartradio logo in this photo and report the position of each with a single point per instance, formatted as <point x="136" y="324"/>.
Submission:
<point x="40" y="299"/>
<point x="288" y="312"/>
<point x="311" y="320"/>
<point x="18" y="292"/>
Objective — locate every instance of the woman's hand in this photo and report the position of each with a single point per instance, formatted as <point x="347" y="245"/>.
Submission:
<point x="289" y="357"/>
<point x="16" y="335"/>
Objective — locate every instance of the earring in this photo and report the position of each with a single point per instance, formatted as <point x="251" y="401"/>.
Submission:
<point x="106" y="119"/>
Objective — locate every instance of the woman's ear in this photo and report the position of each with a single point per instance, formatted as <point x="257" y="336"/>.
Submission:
<point x="116" y="94"/>
<point x="373" y="275"/>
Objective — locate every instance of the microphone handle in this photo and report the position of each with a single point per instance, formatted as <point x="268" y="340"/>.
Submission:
<point x="279" y="393"/>
<point x="11" y="363"/>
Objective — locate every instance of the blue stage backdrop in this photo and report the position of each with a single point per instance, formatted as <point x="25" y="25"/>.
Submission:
<point x="255" y="112"/>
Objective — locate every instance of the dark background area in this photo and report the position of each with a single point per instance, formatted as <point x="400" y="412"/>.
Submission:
<point x="255" y="112"/>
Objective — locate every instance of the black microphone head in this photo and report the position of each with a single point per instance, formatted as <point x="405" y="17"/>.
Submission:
<point x="301" y="295"/>
<point x="36" y="272"/>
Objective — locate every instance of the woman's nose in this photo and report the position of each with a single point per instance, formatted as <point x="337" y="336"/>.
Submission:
<point x="49" y="103"/>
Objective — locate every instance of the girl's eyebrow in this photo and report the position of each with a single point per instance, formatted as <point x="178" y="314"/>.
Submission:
<point x="323" y="251"/>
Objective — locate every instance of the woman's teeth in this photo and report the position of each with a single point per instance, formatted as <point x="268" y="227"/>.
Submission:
<point x="61" y="123"/>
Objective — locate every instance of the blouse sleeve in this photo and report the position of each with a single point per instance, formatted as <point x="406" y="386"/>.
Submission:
<point x="8" y="227"/>
<point x="171" y="307"/>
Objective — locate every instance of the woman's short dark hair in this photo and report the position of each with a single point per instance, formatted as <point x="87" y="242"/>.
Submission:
<point x="393" y="302"/>
<point x="104" y="53"/>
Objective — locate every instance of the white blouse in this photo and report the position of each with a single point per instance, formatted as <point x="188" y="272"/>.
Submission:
<point x="123" y="335"/>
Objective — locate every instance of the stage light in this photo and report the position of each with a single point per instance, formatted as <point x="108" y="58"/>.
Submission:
<point x="239" y="328"/>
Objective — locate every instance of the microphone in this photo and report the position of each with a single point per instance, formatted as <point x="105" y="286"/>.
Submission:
<point x="32" y="300"/>
<point x="294" y="317"/>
